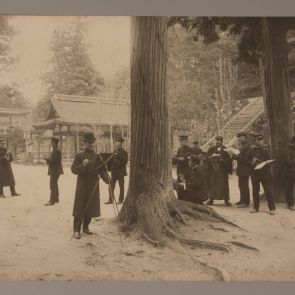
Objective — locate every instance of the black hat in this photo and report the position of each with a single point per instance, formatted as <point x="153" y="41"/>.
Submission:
<point x="240" y="134"/>
<point x="120" y="139"/>
<point x="182" y="136"/>
<point x="89" y="137"/>
<point x="54" y="139"/>
<point x="196" y="141"/>
<point x="219" y="137"/>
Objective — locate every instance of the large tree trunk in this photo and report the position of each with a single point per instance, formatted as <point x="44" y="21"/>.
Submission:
<point x="150" y="186"/>
<point x="278" y="100"/>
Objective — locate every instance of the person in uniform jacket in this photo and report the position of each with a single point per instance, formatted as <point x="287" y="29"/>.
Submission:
<point x="244" y="169"/>
<point x="88" y="166"/>
<point x="220" y="167"/>
<point x="6" y="173"/>
<point x="181" y="160"/>
<point x="258" y="155"/>
<point x="54" y="171"/>
<point x="290" y="173"/>
<point x="118" y="170"/>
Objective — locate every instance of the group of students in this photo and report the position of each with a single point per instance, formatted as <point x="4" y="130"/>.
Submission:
<point x="204" y="176"/>
<point x="89" y="166"/>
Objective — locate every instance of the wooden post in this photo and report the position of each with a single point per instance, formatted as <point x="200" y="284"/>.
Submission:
<point x="77" y="140"/>
<point x="111" y="137"/>
<point x="60" y="138"/>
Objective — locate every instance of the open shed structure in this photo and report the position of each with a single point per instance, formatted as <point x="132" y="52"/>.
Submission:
<point x="70" y="116"/>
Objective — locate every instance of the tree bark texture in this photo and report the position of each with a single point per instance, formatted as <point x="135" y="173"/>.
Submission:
<point x="150" y="186"/>
<point x="278" y="100"/>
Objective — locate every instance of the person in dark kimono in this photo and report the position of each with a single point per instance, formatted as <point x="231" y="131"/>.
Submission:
<point x="244" y="169"/>
<point x="118" y="170"/>
<point x="6" y="173"/>
<point x="220" y="167"/>
<point x="54" y="171"/>
<point x="258" y="155"/>
<point x="290" y="163"/>
<point x="88" y="166"/>
<point x="181" y="160"/>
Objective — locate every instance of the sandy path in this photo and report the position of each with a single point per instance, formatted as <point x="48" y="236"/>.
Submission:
<point x="35" y="241"/>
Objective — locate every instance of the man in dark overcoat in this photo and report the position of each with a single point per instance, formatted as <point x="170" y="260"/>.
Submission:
<point x="290" y="173"/>
<point x="244" y="169"/>
<point x="220" y="168"/>
<point x="262" y="176"/>
<point x="181" y="160"/>
<point x="89" y="166"/>
<point x="6" y="174"/>
<point x="54" y="171"/>
<point x="118" y="170"/>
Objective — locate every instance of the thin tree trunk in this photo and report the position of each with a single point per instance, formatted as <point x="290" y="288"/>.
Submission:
<point x="150" y="185"/>
<point x="278" y="101"/>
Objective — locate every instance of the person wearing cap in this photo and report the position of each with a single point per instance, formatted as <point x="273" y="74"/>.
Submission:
<point x="258" y="155"/>
<point x="118" y="170"/>
<point x="290" y="173"/>
<point x="55" y="169"/>
<point x="181" y="160"/>
<point x="6" y="173"/>
<point x="88" y="166"/>
<point x="244" y="169"/>
<point x="196" y="151"/>
<point x="220" y="167"/>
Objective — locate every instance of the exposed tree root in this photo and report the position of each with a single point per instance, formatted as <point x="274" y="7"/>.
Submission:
<point x="201" y="212"/>
<point x="155" y="243"/>
<point x="245" y="246"/>
<point x="206" y="245"/>
<point x="222" y="274"/>
<point x="217" y="228"/>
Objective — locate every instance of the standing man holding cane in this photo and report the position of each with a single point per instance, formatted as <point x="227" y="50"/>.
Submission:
<point x="88" y="167"/>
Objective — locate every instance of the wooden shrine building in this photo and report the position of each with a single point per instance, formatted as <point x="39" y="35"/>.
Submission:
<point x="70" y="116"/>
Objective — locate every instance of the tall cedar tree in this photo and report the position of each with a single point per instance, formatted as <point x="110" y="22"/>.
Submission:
<point x="150" y="205"/>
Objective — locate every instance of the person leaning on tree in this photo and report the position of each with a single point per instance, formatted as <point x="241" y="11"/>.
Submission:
<point x="244" y="169"/>
<point x="290" y="163"/>
<point x="181" y="160"/>
<point x="259" y="154"/>
<point x="54" y="171"/>
<point x="220" y="168"/>
<point x="6" y="173"/>
<point x="118" y="170"/>
<point x="88" y="166"/>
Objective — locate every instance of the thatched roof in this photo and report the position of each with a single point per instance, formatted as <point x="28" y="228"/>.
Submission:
<point x="71" y="110"/>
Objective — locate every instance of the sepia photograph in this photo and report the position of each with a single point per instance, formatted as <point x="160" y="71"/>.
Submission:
<point x="147" y="148"/>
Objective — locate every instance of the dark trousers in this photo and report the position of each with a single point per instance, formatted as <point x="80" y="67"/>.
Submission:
<point x="290" y="191"/>
<point x="12" y="190"/>
<point x="267" y="189"/>
<point x="54" y="192"/>
<point x="78" y="221"/>
<point x="113" y="181"/>
<point x="244" y="189"/>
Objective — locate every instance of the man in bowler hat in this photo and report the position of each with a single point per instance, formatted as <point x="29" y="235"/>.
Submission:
<point x="88" y="167"/>
<point x="118" y="170"/>
<point x="54" y="171"/>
